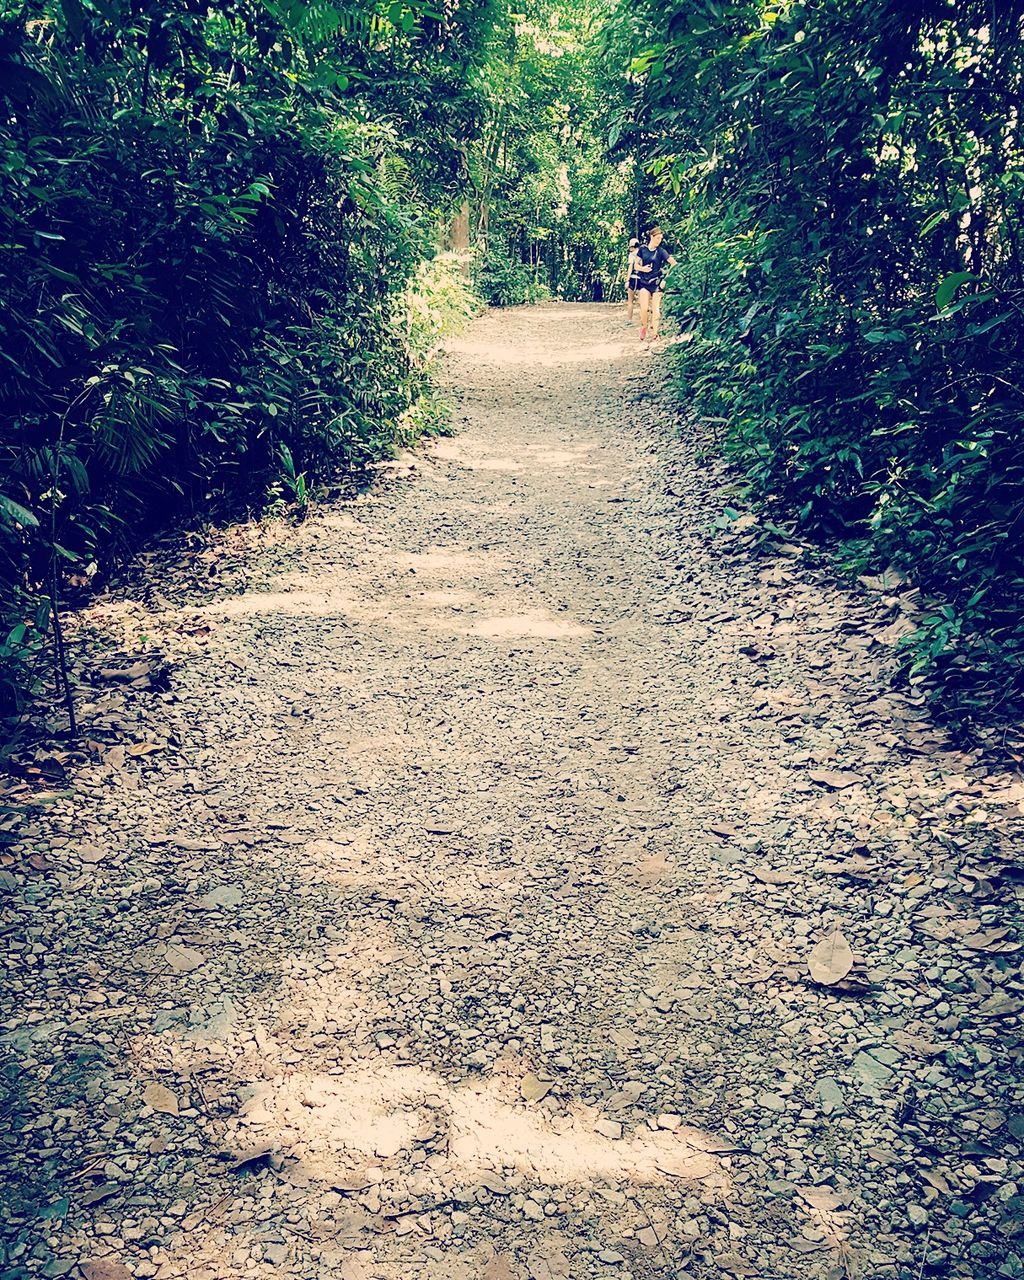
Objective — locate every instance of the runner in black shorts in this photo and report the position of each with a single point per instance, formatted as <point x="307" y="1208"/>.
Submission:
<point x="651" y="261"/>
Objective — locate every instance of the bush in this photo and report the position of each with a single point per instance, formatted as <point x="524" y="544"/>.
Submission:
<point x="505" y="283"/>
<point x="848" y="200"/>
<point x="211" y="252"/>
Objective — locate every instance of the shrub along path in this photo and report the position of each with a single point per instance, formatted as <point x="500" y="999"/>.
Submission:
<point x="519" y="883"/>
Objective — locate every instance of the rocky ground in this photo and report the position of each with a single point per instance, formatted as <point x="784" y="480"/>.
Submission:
<point x="514" y="881"/>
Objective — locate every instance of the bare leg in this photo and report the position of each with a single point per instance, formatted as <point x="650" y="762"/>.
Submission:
<point x="645" y="307"/>
<point x="655" y="314"/>
<point x="630" y="300"/>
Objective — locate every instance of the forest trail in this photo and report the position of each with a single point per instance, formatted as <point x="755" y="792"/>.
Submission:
<point x="457" y="925"/>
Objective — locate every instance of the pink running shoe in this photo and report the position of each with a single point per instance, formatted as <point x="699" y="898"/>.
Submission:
<point x="643" y="335"/>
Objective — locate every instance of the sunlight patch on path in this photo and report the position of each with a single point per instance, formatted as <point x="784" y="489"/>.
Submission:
<point x="537" y="624"/>
<point x="359" y="1120"/>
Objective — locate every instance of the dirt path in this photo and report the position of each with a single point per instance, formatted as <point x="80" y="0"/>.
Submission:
<point x="467" y="896"/>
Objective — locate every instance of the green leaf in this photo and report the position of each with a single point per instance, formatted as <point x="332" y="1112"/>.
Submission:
<point x="16" y="512"/>
<point x="947" y="289"/>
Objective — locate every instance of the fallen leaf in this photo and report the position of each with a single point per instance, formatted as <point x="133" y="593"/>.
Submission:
<point x="767" y="876"/>
<point x="353" y="1269"/>
<point x="98" y="1194"/>
<point x="831" y="960"/>
<point x="498" y="1267"/>
<point x="143" y="748"/>
<point x="160" y="1099"/>
<point x="835" y="779"/>
<point x="533" y="1088"/>
<point x="548" y="1262"/>
<point x="1001" y="1006"/>
<point x="104" y="1269"/>
<point x="350" y="1183"/>
<point x="182" y="959"/>
<point x="627" y="1096"/>
<point x="495" y="1185"/>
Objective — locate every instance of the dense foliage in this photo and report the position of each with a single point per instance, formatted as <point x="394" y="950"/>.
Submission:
<point x="547" y="207"/>
<point x="222" y="278"/>
<point x="214" y="225"/>
<point x="846" y="182"/>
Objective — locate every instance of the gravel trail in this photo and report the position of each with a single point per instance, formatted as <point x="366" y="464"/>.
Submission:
<point x="455" y="924"/>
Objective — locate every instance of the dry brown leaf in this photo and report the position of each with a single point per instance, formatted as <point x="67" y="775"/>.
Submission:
<point x="160" y="1099"/>
<point x="831" y="960"/>
<point x="104" y="1269"/>
<point x="533" y="1088"/>
<point x="835" y="779"/>
<point x="98" y="1194"/>
<point x="349" y="1183"/>
<point x="627" y="1096"/>
<point x="548" y="1262"/>
<point x="498" y="1267"/>
<point x="767" y="876"/>
<point x="1001" y="1006"/>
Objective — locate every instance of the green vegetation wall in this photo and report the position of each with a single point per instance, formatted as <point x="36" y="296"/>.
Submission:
<point x="846" y="180"/>
<point x="211" y="216"/>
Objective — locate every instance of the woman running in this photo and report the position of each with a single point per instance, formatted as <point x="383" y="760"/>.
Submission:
<point x="651" y="261"/>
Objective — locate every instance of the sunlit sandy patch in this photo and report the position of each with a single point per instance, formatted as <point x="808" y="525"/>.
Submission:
<point x="450" y="561"/>
<point x="327" y="603"/>
<point x="369" y="1116"/>
<point x="535" y="623"/>
<point x="448" y="599"/>
<point x="455" y="451"/>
